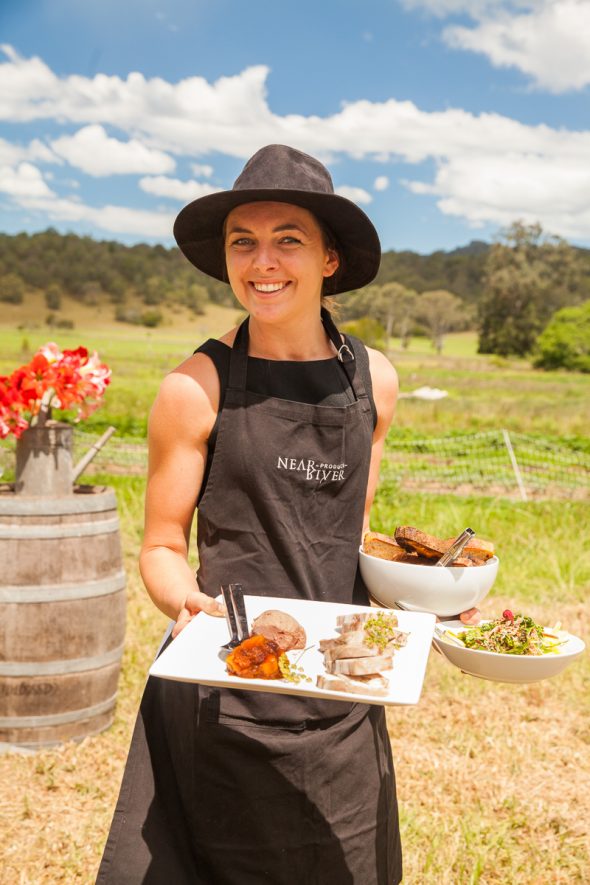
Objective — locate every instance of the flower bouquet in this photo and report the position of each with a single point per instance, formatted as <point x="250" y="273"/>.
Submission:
<point x="53" y="379"/>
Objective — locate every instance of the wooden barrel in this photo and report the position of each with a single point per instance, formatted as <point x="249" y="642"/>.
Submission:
<point x="62" y="615"/>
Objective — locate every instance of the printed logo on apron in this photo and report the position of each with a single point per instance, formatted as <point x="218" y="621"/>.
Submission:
<point x="318" y="471"/>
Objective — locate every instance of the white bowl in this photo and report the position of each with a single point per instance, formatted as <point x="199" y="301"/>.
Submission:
<point x="508" y="668"/>
<point x="427" y="588"/>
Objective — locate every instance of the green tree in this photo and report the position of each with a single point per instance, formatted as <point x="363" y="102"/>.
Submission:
<point x="397" y="307"/>
<point x="565" y="341"/>
<point x="392" y="305"/>
<point x="91" y="292"/>
<point x="12" y="288"/>
<point x="53" y="296"/>
<point x="196" y="298"/>
<point x="155" y="290"/>
<point x="441" y="312"/>
<point x="528" y="275"/>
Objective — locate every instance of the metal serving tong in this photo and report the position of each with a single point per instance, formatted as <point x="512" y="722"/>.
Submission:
<point x="456" y="547"/>
<point x="235" y="614"/>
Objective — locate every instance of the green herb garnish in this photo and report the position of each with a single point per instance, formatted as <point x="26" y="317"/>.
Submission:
<point x="380" y="629"/>
<point x="291" y="672"/>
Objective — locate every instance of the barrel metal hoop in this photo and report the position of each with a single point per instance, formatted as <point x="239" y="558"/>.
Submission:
<point x="60" y="529"/>
<point x="58" y="505"/>
<point x="57" y="668"/>
<point x="62" y="592"/>
<point x="59" y="718"/>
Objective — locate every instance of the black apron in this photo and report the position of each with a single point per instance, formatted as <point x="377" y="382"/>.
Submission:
<point x="228" y="787"/>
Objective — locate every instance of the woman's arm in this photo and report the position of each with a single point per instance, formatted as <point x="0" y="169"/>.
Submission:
<point x="385" y="390"/>
<point x="179" y="426"/>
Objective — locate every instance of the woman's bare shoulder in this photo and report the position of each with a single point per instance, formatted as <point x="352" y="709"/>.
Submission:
<point x="188" y="398"/>
<point x="383" y="374"/>
<point x="385" y="384"/>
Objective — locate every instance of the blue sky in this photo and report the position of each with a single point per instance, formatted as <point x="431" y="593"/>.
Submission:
<point x="444" y="119"/>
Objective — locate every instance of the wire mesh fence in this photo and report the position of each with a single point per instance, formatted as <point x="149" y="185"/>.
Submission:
<point x="492" y="463"/>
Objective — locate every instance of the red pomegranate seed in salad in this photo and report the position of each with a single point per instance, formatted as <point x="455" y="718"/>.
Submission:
<point x="507" y="615"/>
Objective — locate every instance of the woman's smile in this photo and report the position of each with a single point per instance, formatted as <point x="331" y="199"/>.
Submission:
<point x="270" y="288"/>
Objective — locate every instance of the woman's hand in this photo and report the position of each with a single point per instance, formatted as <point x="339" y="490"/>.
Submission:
<point x="194" y="603"/>
<point x="472" y="616"/>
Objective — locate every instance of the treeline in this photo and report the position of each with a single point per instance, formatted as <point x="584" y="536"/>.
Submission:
<point x="88" y="271"/>
<point x="509" y="291"/>
<point x="530" y="297"/>
<point x="91" y="271"/>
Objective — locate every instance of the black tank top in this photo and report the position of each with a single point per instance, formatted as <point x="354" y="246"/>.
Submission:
<point x="318" y="382"/>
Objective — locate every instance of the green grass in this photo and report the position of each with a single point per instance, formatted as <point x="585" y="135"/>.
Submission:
<point x="543" y="548"/>
<point x="461" y="344"/>
<point x="484" y="393"/>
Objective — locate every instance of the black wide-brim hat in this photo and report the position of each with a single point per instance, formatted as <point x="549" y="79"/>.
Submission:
<point x="282" y="174"/>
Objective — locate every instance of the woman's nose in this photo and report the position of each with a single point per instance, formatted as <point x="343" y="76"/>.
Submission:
<point x="265" y="257"/>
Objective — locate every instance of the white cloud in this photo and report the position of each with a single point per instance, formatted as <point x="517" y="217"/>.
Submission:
<point x="113" y="219"/>
<point x="381" y="183"/>
<point x="94" y="152"/>
<point x="36" y="150"/>
<point x="24" y="180"/>
<point x="356" y="194"/>
<point x="184" y="191"/>
<point x="546" y="167"/>
<point x="202" y="169"/>
<point x="502" y="188"/>
<point x="549" y="43"/>
<point x="547" y="40"/>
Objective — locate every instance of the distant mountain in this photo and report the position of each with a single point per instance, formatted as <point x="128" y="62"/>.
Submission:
<point x="475" y="247"/>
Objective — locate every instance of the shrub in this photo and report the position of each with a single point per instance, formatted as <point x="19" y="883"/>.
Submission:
<point x="151" y="318"/>
<point x="565" y="341"/>
<point x="369" y="330"/>
<point x="12" y="288"/>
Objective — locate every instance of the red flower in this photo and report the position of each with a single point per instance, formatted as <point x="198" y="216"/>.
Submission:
<point x="11" y="406"/>
<point x="65" y="380"/>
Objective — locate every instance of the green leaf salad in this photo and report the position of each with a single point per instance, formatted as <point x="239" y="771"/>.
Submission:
<point x="512" y="634"/>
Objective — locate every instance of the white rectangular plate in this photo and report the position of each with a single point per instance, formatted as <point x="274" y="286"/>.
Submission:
<point x="194" y="655"/>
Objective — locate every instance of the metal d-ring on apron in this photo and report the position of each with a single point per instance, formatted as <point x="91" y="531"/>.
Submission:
<point x="239" y="787"/>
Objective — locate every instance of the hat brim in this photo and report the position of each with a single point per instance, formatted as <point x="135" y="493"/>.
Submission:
<point x="198" y="230"/>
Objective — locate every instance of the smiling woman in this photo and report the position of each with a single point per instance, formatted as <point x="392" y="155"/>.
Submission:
<point x="285" y="388"/>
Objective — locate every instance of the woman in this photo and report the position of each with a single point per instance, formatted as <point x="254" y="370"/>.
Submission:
<point x="244" y="787"/>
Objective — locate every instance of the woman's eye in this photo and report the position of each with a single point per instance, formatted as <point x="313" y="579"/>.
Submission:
<point x="290" y="240"/>
<point x="242" y="241"/>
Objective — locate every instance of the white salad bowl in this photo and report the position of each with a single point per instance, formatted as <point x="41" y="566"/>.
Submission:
<point x="443" y="591"/>
<point x="503" y="667"/>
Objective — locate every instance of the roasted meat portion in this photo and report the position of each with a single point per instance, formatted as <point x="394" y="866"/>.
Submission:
<point x="255" y="658"/>
<point x="281" y="628"/>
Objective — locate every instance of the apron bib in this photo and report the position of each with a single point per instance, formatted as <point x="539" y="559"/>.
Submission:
<point x="242" y="788"/>
<point x="282" y="513"/>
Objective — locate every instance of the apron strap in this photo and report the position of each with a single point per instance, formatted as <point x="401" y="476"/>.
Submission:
<point x="345" y="355"/>
<point x="238" y="366"/>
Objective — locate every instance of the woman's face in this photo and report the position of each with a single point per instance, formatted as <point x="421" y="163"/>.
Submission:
<point x="276" y="260"/>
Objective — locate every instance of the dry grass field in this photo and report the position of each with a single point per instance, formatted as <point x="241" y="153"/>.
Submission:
<point x="493" y="780"/>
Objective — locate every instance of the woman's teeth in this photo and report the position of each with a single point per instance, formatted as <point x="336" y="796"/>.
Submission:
<point x="268" y="287"/>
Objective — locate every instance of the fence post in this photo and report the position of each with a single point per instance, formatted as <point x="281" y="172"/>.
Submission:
<point x="515" y="466"/>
